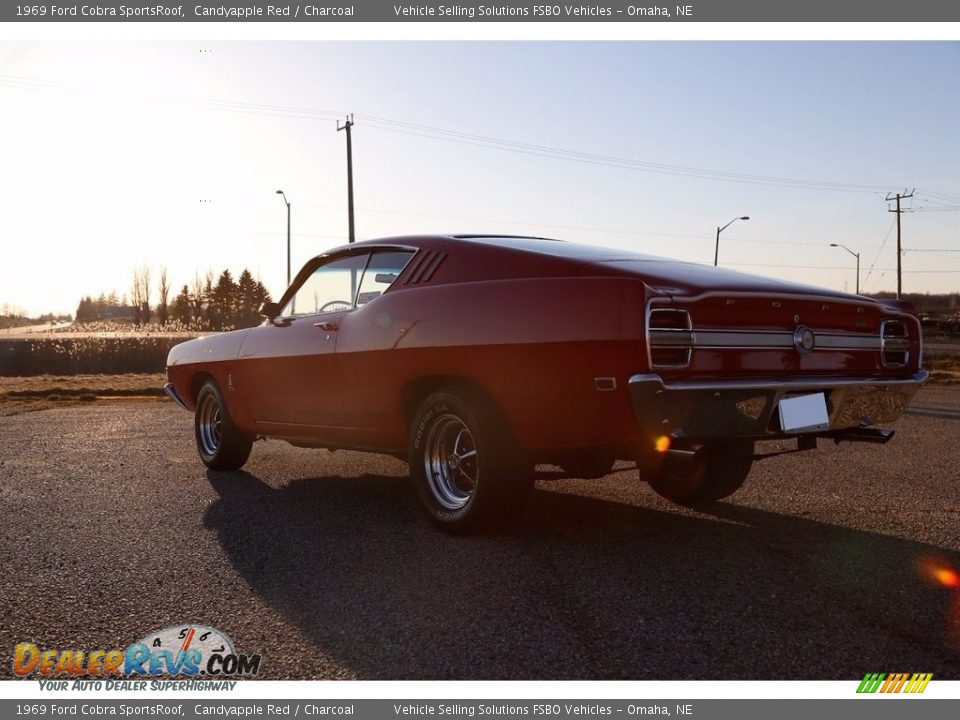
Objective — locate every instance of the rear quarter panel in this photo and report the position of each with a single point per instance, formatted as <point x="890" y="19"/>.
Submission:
<point x="534" y="345"/>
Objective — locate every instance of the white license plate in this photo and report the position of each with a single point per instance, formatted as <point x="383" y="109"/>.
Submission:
<point x="804" y="413"/>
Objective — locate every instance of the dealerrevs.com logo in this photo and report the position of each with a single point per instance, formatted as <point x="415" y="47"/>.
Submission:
<point x="894" y="683"/>
<point x="189" y="649"/>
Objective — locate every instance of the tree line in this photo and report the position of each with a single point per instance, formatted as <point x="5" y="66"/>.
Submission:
<point x="207" y="304"/>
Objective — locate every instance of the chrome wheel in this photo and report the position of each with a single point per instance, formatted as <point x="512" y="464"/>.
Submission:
<point x="209" y="425"/>
<point x="450" y="462"/>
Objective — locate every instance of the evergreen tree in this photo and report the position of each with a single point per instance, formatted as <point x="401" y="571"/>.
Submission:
<point x="247" y="310"/>
<point x="181" y="309"/>
<point x="223" y="304"/>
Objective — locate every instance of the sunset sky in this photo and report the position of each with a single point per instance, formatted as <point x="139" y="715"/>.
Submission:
<point x="169" y="154"/>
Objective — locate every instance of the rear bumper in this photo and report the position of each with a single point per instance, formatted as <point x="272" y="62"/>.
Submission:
<point x="172" y="394"/>
<point x="748" y="408"/>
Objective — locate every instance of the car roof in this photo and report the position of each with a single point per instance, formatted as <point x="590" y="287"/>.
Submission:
<point x="524" y="243"/>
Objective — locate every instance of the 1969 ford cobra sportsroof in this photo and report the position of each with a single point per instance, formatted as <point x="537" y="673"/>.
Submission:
<point x="476" y="357"/>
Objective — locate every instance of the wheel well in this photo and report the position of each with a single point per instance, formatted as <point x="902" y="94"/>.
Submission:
<point x="197" y="382"/>
<point x="417" y="390"/>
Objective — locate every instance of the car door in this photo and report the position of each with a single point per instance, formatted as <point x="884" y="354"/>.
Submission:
<point x="371" y="372"/>
<point x="289" y="366"/>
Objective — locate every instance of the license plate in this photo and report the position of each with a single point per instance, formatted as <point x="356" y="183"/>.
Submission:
<point x="804" y="413"/>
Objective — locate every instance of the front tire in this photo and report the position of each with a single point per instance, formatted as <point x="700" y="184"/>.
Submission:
<point x="717" y="471"/>
<point x="222" y="446"/>
<point x="466" y="469"/>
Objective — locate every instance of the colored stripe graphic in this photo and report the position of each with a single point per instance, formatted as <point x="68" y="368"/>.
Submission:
<point x="871" y="682"/>
<point x="894" y="682"/>
<point x="918" y="682"/>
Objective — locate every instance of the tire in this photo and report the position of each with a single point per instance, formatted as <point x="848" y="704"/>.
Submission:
<point x="222" y="446"/>
<point x="466" y="469"/>
<point x="589" y="466"/>
<point x="716" y="472"/>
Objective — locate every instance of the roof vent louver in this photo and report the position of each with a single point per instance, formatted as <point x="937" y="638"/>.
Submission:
<point x="423" y="266"/>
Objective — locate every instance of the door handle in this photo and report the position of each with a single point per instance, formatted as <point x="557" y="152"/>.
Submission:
<point x="328" y="325"/>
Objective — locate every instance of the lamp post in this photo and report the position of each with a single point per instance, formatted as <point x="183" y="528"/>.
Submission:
<point x="716" y="252"/>
<point x="856" y="255"/>
<point x="280" y="192"/>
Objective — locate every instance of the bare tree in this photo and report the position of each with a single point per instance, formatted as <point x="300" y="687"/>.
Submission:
<point x="145" y="292"/>
<point x="136" y="299"/>
<point x="140" y="295"/>
<point x="196" y="298"/>
<point x="163" y="289"/>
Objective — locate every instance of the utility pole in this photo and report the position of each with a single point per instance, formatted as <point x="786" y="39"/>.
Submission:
<point x="281" y="192"/>
<point x="346" y="126"/>
<point x="898" y="197"/>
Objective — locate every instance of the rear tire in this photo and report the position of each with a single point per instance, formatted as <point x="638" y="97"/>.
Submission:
<point x="466" y="468"/>
<point x="222" y="446"/>
<point x="718" y="471"/>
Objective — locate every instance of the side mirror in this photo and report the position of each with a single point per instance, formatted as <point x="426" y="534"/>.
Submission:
<point x="385" y="277"/>
<point x="270" y="310"/>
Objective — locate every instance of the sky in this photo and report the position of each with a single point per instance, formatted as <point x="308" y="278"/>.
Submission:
<point x="169" y="155"/>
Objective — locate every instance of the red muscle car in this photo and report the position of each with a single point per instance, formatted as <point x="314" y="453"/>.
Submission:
<point x="477" y="357"/>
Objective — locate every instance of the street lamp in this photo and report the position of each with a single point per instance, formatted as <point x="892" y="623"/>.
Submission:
<point x="716" y="252"/>
<point x="856" y="255"/>
<point x="280" y="192"/>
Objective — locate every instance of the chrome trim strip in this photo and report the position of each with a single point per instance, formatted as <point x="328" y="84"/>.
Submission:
<point x="790" y="385"/>
<point x="672" y="338"/>
<point x="759" y="339"/>
<point x="779" y="339"/>
<point x="680" y="300"/>
<point x="172" y="394"/>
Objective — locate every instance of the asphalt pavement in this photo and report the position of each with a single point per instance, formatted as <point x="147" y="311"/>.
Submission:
<point x="110" y="527"/>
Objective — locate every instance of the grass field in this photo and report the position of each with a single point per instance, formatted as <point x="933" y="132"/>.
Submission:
<point x="40" y="392"/>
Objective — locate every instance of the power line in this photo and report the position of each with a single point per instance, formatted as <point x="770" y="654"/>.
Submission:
<point x="629" y="164"/>
<point x="877" y="256"/>
<point x="488" y="141"/>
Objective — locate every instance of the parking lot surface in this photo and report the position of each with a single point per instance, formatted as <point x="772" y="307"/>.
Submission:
<point x="819" y="568"/>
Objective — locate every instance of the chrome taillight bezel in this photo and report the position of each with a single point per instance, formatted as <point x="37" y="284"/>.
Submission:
<point x="670" y="337"/>
<point x="894" y="344"/>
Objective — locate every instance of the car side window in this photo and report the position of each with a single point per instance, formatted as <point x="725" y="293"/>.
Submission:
<point x="382" y="270"/>
<point x="331" y="287"/>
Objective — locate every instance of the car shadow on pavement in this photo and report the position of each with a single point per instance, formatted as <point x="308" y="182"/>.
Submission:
<point x="583" y="587"/>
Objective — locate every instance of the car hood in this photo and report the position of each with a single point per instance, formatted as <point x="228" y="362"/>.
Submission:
<point x="674" y="277"/>
<point x="209" y="348"/>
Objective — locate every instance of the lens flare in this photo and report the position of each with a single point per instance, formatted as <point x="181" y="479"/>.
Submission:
<point x="939" y="572"/>
<point x="662" y="443"/>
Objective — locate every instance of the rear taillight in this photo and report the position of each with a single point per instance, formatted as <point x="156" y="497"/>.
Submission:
<point x="670" y="336"/>
<point x="894" y="343"/>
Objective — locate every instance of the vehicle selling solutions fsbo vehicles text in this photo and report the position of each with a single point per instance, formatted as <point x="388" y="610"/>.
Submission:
<point x="538" y="11"/>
